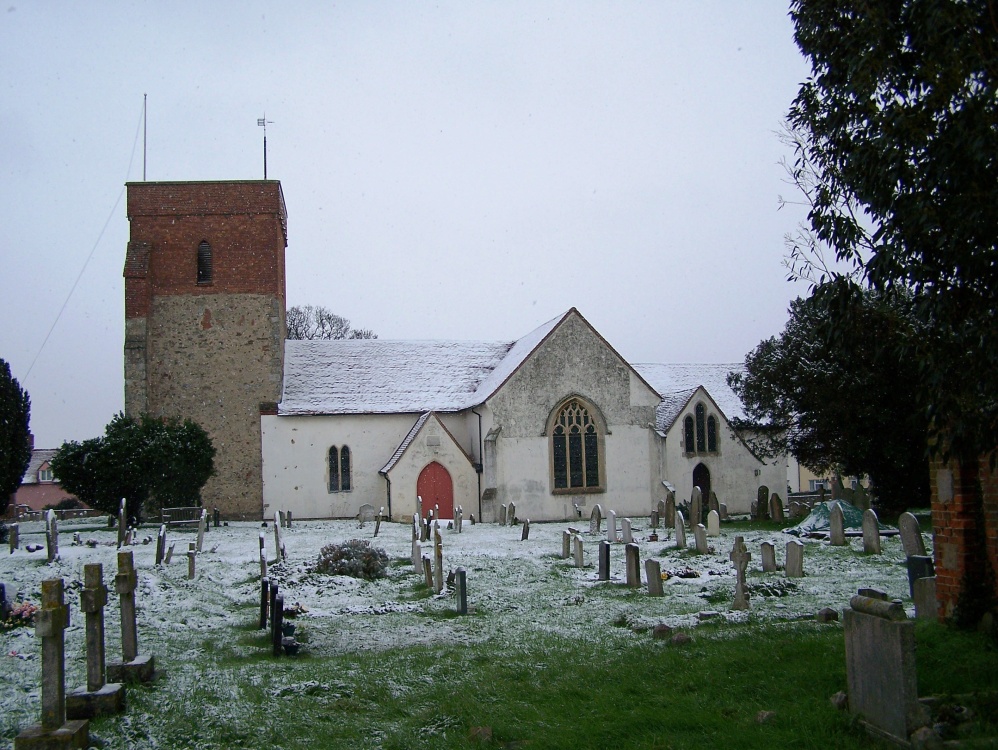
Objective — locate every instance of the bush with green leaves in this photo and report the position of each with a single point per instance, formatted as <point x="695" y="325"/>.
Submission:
<point x="355" y="558"/>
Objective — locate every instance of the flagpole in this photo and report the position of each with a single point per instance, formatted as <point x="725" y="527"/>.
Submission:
<point x="144" y="97"/>
<point x="263" y="122"/>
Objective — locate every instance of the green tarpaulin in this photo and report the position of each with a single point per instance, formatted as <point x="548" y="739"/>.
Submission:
<point x="817" y="522"/>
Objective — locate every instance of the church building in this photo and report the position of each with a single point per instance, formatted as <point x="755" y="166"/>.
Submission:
<point x="555" y="422"/>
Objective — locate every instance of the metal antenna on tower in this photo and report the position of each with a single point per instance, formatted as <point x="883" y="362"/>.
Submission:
<point x="263" y="122"/>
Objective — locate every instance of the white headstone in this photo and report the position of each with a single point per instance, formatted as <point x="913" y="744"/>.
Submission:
<point x="713" y="523"/>
<point x="871" y="532"/>
<point x="795" y="559"/>
<point x="680" y="530"/>
<point x="611" y="526"/>
<point x="625" y="531"/>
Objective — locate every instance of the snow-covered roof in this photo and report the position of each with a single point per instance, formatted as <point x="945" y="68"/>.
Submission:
<point x="516" y="356"/>
<point x="405" y="443"/>
<point x="673" y="380"/>
<point x="39" y="456"/>
<point x="671" y="407"/>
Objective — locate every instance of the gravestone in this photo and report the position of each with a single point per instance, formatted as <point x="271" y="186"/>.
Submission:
<point x="919" y="566"/>
<point x="794" y="508"/>
<point x="654" y="519"/>
<point x="696" y="508"/>
<point x="596" y="519"/>
<point x="274" y="590"/>
<point x="713" y="523"/>
<point x="871" y="532"/>
<point x="122" y="523"/>
<point x="51" y="621"/>
<point x="776" y="507"/>
<point x="461" y="584"/>
<point x="723" y="511"/>
<point x="377" y="521"/>
<point x="837" y="526"/>
<point x="740" y="557"/>
<point x="14" y="536"/>
<point x="577" y="552"/>
<point x="98" y="698"/>
<point x="924" y="596"/>
<point x="202" y="527"/>
<point x="525" y="534"/>
<point x="264" y="601"/>
<point x="52" y="535"/>
<point x="428" y="572"/>
<point x="712" y="503"/>
<point x="653" y="574"/>
<point x="458" y="519"/>
<point x="191" y="557"/>
<point x="762" y="504"/>
<point x="161" y="544"/>
<point x="277" y="624"/>
<point x="700" y="538"/>
<point x="471" y="517"/>
<point x="625" y="531"/>
<point x="278" y="542"/>
<point x="611" y="526"/>
<point x="911" y="535"/>
<point x="289" y="520"/>
<point x="660" y="509"/>
<point x="768" y="557"/>
<point x="511" y="514"/>
<point x="133" y="667"/>
<point x="604" y="561"/>
<point x="669" y="517"/>
<point x="417" y="554"/>
<point x="502" y="514"/>
<point x="795" y="559"/>
<point x="680" y="530"/>
<point x="566" y="545"/>
<point x="438" y="560"/>
<point x="880" y="668"/>
<point x="632" y="562"/>
<point x="169" y="555"/>
<point x="217" y="518"/>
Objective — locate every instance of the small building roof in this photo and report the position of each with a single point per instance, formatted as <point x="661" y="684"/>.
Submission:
<point x="673" y="380"/>
<point x="39" y="456"/>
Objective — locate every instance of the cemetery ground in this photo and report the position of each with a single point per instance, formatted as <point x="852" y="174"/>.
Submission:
<point x="549" y="657"/>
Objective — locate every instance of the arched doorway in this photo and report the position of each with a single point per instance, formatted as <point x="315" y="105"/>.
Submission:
<point x="436" y="488"/>
<point x="701" y="479"/>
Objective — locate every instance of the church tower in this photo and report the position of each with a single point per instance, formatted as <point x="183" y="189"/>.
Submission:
<point x="205" y="319"/>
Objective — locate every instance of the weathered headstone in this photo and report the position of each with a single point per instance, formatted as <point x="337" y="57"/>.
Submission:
<point x="768" y="557"/>
<point x="202" y="528"/>
<point x="428" y="572"/>
<point x="604" y="561"/>
<point x="278" y="544"/>
<point x="377" y="521"/>
<point x="577" y="552"/>
<point x="52" y="535"/>
<point x="502" y="514"/>
<point x="836" y="525"/>
<point x="133" y="666"/>
<point x="712" y="503"/>
<point x="471" y="517"/>
<point x="762" y="504"/>
<point x="611" y="526"/>
<point x="919" y="566"/>
<point x="653" y="574"/>
<point x="654" y="520"/>
<point x="880" y="668"/>
<point x="795" y="559"/>
<point x="625" y="531"/>
<point x="700" y="538"/>
<point x="191" y="558"/>
<point x="776" y="507"/>
<point x="161" y="544"/>
<point x="264" y="601"/>
<point x="217" y="518"/>
<point x="924" y="596"/>
<point x="14" y="539"/>
<point x="680" y="530"/>
<point x="660" y="509"/>
<point x="740" y="557"/>
<point x="566" y="545"/>
<point x="122" y="523"/>
<point x="713" y="523"/>
<point x="98" y="698"/>
<point x="51" y="621"/>
<point x="438" y="560"/>
<point x="169" y="555"/>
<point x="696" y="507"/>
<point x="911" y="535"/>
<point x="670" y="510"/>
<point x="461" y="584"/>
<point x="525" y="534"/>
<point x="632" y="564"/>
<point x="277" y="624"/>
<point x="417" y="554"/>
<point x="722" y="511"/>
<point x="596" y="519"/>
<point x="871" y="532"/>
<point x="511" y="514"/>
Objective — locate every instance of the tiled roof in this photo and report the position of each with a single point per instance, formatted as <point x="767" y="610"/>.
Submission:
<point x="405" y="443"/>
<point x="38" y="457"/>
<point x="674" y="379"/>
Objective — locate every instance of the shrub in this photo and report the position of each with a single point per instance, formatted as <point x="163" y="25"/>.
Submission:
<point x="356" y="558"/>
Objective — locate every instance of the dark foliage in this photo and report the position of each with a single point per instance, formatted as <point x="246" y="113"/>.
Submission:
<point x="164" y="462"/>
<point x="843" y="402"/>
<point x="15" y="448"/>
<point x="355" y="558"/>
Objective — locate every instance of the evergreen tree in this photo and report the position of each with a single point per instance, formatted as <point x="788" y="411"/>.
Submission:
<point x="15" y="444"/>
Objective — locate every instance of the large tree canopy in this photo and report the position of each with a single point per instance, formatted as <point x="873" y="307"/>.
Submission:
<point x="308" y="322"/>
<point x="843" y="402"/>
<point x="898" y="157"/>
<point x="15" y="445"/>
<point x="165" y="460"/>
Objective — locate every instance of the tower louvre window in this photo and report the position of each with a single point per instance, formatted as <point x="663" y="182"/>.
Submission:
<point x="204" y="263"/>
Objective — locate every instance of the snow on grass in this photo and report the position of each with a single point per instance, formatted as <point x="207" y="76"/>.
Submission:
<point x="518" y="591"/>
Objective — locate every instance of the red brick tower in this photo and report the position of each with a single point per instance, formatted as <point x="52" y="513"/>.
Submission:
<point x="205" y="318"/>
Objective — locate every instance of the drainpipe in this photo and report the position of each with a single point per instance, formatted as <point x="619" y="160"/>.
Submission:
<point x="478" y="466"/>
<point x="389" y="483"/>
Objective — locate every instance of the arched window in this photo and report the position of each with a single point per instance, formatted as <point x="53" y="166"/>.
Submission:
<point x="204" y="263"/>
<point x="345" y="469"/>
<point x="338" y="461"/>
<point x="711" y="434"/>
<point x="688" y="443"/>
<point x="701" y="429"/>
<point x="576" y="449"/>
<point x="334" y="470"/>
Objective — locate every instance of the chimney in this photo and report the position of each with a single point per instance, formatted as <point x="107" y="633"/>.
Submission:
<point x="31" y="441"/>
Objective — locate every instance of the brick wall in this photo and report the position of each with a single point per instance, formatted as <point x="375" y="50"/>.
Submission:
<point x="965" y="531"/>
<point x="213" y="351"/>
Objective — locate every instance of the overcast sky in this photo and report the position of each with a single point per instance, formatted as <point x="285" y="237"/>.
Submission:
<point x="452" y="170"/>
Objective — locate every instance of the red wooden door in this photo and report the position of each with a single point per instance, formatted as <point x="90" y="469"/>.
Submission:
<point x="436" y="488"/>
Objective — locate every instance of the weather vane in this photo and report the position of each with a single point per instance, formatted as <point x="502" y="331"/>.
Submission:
<point x="263" y="122"/>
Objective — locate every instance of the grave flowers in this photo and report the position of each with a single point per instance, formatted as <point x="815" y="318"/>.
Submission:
<point x="21" y="615"/>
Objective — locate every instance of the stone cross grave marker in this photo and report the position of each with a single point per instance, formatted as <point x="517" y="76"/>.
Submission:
<point x="713" y="523"/>
<point x="611" y="526"/>
<point x="122" y="523"/>
<point x="653" y="573"/>
<point x="880" y="668"/>
<point x="762" y="504"/>
<point x="604" y="561"/>
<point x="51" y="621"/>
<point x="461" y="583"/>
<point x="566" y="544"/>
<point x="625" y="531"/>
<point x="776" y="507"/>
<point x="202" y="527"/>
<point x="132" y="667"/>
<point x="768" y="557"/>
<point x="700" y="538"/>
<point x="871" y="532"/>
<point x="438" y="560"/>
<point x="98" y="697"/>
<point x="836" y="525"/>
<point x="911" y="535"/>
<point x="511" y="514"/>
<point x="795" y="559"/>
<point x="161" y="544"/>
<point x="596" y="519"/>
<point x="502" y="514"/>
<point x="696" y="507"/>
<point x="577" y="552"/>
<point x="680" y="530"/>
<point x="740" y="557"/>
<point x="670" y="510"/>
<point x="632" y="564"/>
<point x="52" y="535"/>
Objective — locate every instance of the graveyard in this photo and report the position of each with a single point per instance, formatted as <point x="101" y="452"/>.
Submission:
<point x="564" y="638"/>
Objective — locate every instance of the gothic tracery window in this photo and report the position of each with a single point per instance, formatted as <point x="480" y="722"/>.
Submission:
<point x="576" y="449"/>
